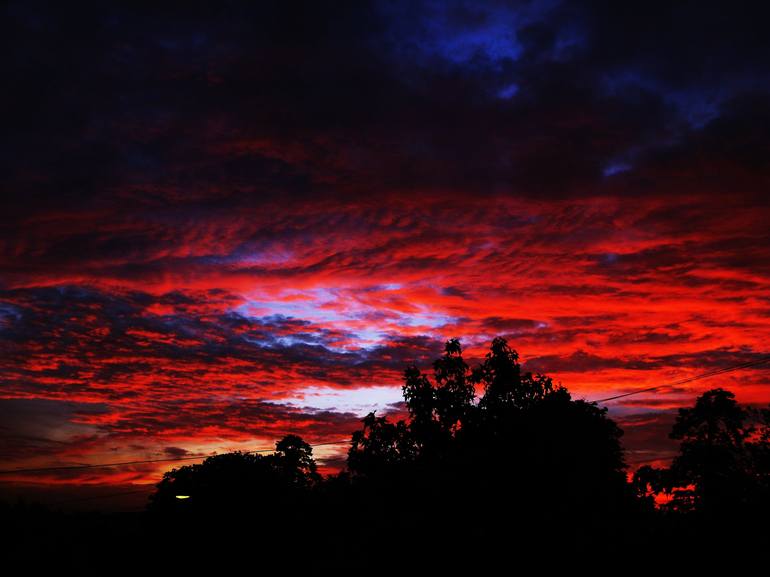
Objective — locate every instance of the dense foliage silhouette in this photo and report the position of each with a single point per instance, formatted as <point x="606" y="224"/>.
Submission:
<point x="722" y="468"/>
<point x="237" y="481"/>
<point x="491" y="464"/>
<point x="495" y="454"/>
<point x="526" y="444"/>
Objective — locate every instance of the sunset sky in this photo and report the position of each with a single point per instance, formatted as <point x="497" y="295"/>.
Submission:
<point x="221" y="225"/>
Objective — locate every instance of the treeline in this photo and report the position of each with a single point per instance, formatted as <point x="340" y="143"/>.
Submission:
<point x="523" y="473"/>
<point x="507" y="469"/>
<point x="723" y="465"/>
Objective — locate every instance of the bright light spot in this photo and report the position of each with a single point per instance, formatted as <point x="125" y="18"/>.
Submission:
<point x="183" y="496"/>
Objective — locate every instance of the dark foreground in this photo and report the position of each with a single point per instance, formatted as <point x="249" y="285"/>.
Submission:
<point x="376" y="536"/>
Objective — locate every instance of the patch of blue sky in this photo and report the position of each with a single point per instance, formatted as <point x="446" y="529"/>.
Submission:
<point x="323" y="307"/>
<point x="285" y="341"/>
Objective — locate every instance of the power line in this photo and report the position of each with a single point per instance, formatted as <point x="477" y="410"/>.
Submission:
<point x="139" y="462"/>
<point x="705" y="375"/>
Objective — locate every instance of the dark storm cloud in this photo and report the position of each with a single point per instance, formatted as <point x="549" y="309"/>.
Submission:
<point x="145" y="121"/>
<point x="242" y="101"/>
<point x="582" y="361"/>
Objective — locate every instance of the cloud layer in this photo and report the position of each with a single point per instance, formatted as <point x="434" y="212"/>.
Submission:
<point x="222" y="224"/>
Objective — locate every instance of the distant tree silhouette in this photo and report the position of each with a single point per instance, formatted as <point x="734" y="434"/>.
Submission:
<point x="294" y="457"/>
<point x="236" y="481"/>
<point x="493" y="455"/>
<point x="722" y="468"/>
<point x="760" y="457"/>
<point x="713" y="451"/>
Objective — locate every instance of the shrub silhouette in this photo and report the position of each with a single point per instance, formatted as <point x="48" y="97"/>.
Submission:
<point x="238" y="481"/>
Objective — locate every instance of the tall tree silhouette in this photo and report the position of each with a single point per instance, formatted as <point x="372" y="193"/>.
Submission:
<point x="713" y="452"/>
<point x="438" y="411"/>
<point x="723" y="466"/>
<point x="524" y="437"/>
<point x="380" y="448"/>
<point x="454" y="388"/>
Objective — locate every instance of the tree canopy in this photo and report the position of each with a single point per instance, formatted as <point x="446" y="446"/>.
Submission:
<point x="481" y="447"/>
<point x="722" y="465"/>
<point x="236" y="481"/>
<point x="524" y="436"/>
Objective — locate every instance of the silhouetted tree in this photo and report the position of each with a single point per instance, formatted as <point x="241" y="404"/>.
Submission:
<point x="239" y="481"/>
<point x="759" y="450"/>
<point x="438" y="411"/>
<point x="420" y="398"/>
<point x="381" y="447"/>
<point x="524" y="437"/>
<point x="722" y="468"/>
<point x="454" y="389"/>
<point x="504" y="470"/>
<point x="505" y="387"/>
<point x="295" y="457"/>
<point x="713" y="455"/>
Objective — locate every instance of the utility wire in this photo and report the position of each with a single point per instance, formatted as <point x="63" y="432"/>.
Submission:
<point x="705" y="375"/>
<point x="138" y="462"/>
